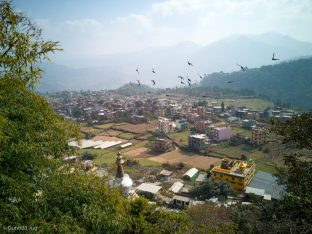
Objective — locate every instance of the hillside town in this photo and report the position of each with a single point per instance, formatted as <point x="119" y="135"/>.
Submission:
<point x="178" y="151"/>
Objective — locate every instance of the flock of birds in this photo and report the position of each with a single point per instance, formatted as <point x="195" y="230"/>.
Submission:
<point x="186" y="79"/>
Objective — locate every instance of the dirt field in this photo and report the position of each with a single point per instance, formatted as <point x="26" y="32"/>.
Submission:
<point x="136" y="128"/>
<point x="108" y="138"/>
<point x="176" y="156"/>
<point x="141" y="152"/>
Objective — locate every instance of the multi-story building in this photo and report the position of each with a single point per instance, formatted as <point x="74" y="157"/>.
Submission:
<point x="202" y="125"/>
<point x="247" y="123"/>
<point x="241" y="114"/>
<point x="162" y="145"/>
<point x="193" y="117"/>
<point x="198" y="141"/>
<point x="221" y="134"/>
<point x="200" y="110"/>
<point x="258" y="136"/>
<point x="181" y="124"/>
<point x="135" y="119"/>
<point x="163" y="125"/>
<point x="236" y="172"/>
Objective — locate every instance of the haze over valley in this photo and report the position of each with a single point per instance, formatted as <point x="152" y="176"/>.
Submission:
<point x="112" y="71"/>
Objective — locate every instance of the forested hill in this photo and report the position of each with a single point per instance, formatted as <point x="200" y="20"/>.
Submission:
<point x="286" y="82"/>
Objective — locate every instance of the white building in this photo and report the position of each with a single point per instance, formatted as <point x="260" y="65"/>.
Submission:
<point x="164" y="126"/>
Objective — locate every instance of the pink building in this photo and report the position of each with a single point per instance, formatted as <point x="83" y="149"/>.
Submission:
<point x="221" y="134"/>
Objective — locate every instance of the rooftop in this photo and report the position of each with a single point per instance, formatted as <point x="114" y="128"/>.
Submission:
<point x="266" y="181"/>
<point x="234" y="167"/>
<point x="148" y="187"/>
<point x="198" y="136"/>
<point x="176" y="187"/>
<point x="166" y="173"/>
<point x="181" y="198"/>
<point x="191" y="172"/>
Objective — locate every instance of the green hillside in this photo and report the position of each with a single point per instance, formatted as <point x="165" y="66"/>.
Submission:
<point x="286" y="82"/>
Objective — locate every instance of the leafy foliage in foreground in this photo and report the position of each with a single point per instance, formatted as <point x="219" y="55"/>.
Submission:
<point x="292" y="214"/>
<point x="213" y="188"/>
<point x="21" y="46"/>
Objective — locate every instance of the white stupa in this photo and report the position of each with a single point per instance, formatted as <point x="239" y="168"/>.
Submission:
<point x="122" y="180"/>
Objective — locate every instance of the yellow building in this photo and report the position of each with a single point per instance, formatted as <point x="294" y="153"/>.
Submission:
<point x="236" y="172"/>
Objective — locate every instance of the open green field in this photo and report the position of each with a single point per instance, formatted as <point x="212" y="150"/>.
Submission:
<point x="137" y="145"/>
<point x="102" y="156"/>
<point x="266" y="167"/>
<point x="253" y="103"/>
<point x="104" y="126"/>
<point x="250" y="103"/>
<point x="126" y="135"/>
<point x="241" y="131"/>
<point x="265" y="161"/>
<point x="181" y="138"/>
<point x="109" y="157"/>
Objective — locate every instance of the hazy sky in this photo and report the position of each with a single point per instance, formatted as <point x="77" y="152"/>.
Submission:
<point x="94" y="27"/>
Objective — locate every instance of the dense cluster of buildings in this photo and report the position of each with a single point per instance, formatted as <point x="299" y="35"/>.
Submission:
<point x="208" y="125"/>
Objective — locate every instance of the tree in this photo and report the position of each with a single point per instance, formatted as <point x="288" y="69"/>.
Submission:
<point x="33" y="138"/>
<point x="36" y="188"/>
<point x="22" y="47"/>
<point x="292" y="214"/>
<point x="244" y="157"/>
<point x="208" y="172"/>
<point x="297" y="130"/>
<point x="213" y="188"/>
<point x="222" y="106"/>
<point x="210" y="218"/>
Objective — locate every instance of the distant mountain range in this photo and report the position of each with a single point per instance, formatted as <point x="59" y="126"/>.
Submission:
<point x="111" y="71"/>
<point x="287" y="82"/>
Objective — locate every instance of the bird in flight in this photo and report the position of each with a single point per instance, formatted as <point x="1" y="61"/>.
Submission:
<point x="189" y="83"/>
<point x="181" y="77"/>
<point x="153" y="82"/>
<point x="205" y="96"/>
<point x="182" y="82"/>
<point x="189" y="63"/>
<point x="168" y="95"/>
<point x="189" y="80"/>
<point x="137" y="70"/>
<point x="230" y="81"/>
<point x="200" y="76"/>
<point x="273" y="58"/>
<point x="153" y="71"/>
<point x="243" y="69"/>
<point x="138" y="83"/>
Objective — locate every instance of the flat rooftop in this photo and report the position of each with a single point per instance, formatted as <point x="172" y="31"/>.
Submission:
<point x="235" y="169"/>
<point x="149" y="188"/>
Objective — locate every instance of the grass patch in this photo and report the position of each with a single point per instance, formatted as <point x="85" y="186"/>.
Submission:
<point x="113" y="133"/>
<point x="148" y="136"/>
<point x="266" y="167"/>
<point x="126" y="135"/>
<point x="137" y="145"/>
<point x="250" y="103"/>
<point x="104" y="126"/>
<point x="241" y="131"/>
<point x="181" y="138"/>
<point x="102" y="156"/>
